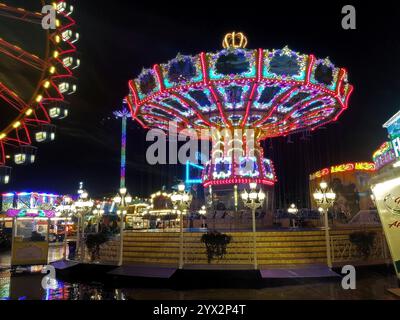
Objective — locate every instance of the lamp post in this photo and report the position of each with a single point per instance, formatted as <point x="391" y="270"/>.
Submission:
<point x="123" y="114"/>
<point x="293" y="211"/>
<point x="253" y="200"/>
<point x="203" y="212"/>
<point x="182" y="201"/>
<point x="98" y="212"/>
<point x="325" y="198"/>
<point x="122" y="199"/>
<point x="82" y="206"/>
<point x="66" y="209"/>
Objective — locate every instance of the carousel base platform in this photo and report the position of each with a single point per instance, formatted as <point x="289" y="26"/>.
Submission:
<point x="305" y="272"/>
<point x="192" y="277"/>
<point x="274" y="248"/>
<point x="143" y="271"/>
<point x="64" y="264"/>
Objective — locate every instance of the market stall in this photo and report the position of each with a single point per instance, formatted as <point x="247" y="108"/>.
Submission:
<point x="30" y="236"/>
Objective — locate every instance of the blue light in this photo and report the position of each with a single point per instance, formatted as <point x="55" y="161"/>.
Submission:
<point x="190" y="180"/>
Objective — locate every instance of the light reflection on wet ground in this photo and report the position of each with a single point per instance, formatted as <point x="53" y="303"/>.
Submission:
<point x="56" y="252"/>
<point x="371" y="285"/>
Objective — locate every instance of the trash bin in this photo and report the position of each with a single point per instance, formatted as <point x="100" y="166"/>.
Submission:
<point x="71" y="250"/>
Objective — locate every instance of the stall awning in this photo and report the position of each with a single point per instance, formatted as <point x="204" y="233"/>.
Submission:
<point x="30" y="213"/>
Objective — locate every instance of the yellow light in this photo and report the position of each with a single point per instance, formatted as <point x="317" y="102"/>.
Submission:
<point x="58" y="23"/>
<point x="28" y="112"/>
<point x="52" y="69"/>
<point x="234" y="40"/>
<point x="46" y="84"/>
<point x="55" y="54"/>
<point x="39" y="98"/>
<point x="16" y="124"/>
<point x="2" y="136"/>
<point x="58" y="39"/>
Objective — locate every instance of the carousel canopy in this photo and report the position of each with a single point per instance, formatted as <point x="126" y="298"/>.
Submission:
<point x="280" y="91"/>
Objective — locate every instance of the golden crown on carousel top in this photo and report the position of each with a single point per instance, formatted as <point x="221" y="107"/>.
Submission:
<point x="234" y="40"/>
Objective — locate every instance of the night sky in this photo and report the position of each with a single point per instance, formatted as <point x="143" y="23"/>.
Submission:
<point x="119" y="38"/>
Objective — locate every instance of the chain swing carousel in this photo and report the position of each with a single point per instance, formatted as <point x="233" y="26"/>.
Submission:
<point x="270" y="92"/>
<point x="240" y="95"/>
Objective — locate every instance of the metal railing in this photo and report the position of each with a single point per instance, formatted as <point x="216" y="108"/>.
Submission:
<point x="344" y="251"/>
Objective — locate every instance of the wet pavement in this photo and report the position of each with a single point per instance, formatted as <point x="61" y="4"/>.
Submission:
<point x="56" y="252"/>
<point x="372" y="283"/>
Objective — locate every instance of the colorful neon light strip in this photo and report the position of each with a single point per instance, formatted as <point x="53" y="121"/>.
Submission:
<point x="347" y="167"/>
<point x="30" y="213"/>
<point x="238" y="181"/>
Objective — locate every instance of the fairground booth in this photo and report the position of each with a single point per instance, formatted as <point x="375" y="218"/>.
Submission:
<point x="350" y="183"/>
<point x="35" y="223"/>
<point x="386" y="187"/>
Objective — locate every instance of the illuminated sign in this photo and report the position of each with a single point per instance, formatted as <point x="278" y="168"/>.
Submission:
<point x="30" y="213"/>
<point x="347" y="167"/>
<point x="393" y="126"/>
<point x="30" y="200"/>
<point x="387" y="197"/>
<point x="396" y="146"/>
<point x="384" y="148"/>
<point x="384" y="155"/>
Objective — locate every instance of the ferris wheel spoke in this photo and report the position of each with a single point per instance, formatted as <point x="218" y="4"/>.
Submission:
<point x="2" y="154"/>
<point x="21" y="55"/>
<point x="20" y="14"/>
<point x="18" y="136"/>
<point x="12" y="98"/>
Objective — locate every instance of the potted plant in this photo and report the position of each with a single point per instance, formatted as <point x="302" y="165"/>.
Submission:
<point x="93" y="243"/>
<point x="364" y="241"/>
<point x="216" y="244"/>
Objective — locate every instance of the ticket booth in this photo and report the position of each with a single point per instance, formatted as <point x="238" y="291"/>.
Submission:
<point x="30" y="236"/>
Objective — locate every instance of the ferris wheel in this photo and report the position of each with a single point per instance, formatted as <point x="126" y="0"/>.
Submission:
<point x="36" y="76"/>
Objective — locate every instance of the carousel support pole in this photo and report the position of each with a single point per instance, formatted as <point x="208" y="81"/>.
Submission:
<point x="124" y="114"/>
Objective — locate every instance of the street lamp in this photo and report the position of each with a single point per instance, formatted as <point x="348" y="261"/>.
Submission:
<point x="98" y="213"/>
<point x="181" y="200"/>
<point x="82" y="206"/>
<point x="122" y="200"/>
<point x="203" y="212"/>
<point x="67" y="209"/>
<point x="253" y="200"/>
<point x="293" y="211"/>
<point x="325" y="198"/>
